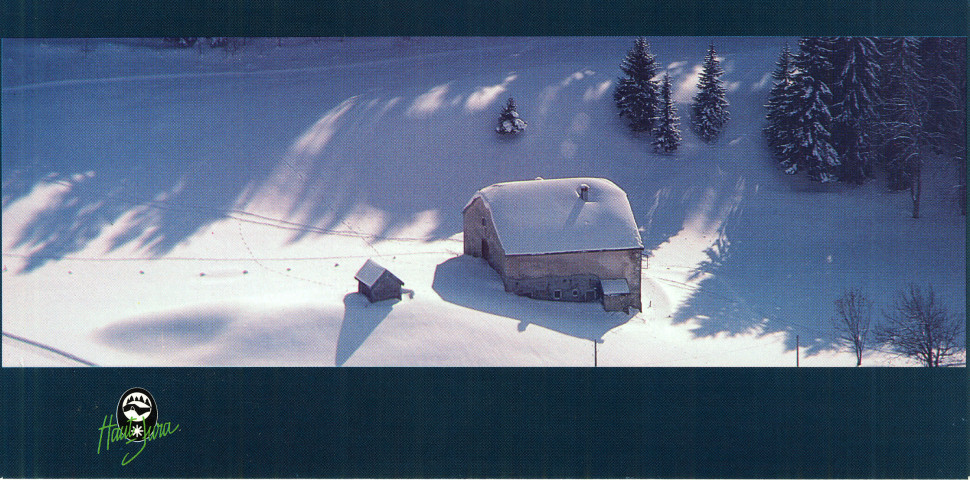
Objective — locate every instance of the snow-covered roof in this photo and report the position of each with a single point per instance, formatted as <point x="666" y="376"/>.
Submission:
<point x="617" y="286"/>
<point x="548" y="216"/>
<point x="370" y="272"/>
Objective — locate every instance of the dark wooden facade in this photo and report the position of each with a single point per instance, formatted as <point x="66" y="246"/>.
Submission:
<point x="377" y="283"/>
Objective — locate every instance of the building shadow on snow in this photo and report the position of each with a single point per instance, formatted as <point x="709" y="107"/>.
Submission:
<point x="470" y="282"/>
<point x="360" y="319"/>
<point x="164" y="332"/>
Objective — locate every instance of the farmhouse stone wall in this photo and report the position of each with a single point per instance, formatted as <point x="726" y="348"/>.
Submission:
<point x="574" y="288"/>
<point x="602" y="265"/>
<point x="475" y="232"/>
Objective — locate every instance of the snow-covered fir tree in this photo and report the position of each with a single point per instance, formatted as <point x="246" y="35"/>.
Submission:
<point x="906" y="139"/>
<point x="816" y="56"/>
<point x="948" y="95"/>
<point x="899" y="64"/>
<point x="667" y="131"/>
<point x="934" y="59"/>
<point x="900" y="83"/>
<point x="924" y="91"/>
<point x="637" y="95"/>
<point x="509" y="120"/>
<point x="778" y="127"/>
<point x="854" y="96"/>
<point x="709" y="110"/>
<point x="944" y="62"/>
<point x="809" y="146"/>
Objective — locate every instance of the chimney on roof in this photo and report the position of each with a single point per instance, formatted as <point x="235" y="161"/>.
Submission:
<point x="584" y="192"/>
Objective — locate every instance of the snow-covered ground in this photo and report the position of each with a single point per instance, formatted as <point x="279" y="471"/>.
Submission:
<point x="191" y="207"/>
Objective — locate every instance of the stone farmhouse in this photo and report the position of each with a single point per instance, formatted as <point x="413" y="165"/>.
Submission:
<point x="570" y="239"/>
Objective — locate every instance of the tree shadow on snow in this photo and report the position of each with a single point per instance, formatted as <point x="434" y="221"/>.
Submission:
<point x="181" y="164"/>
<point x="171" y="168"/>
<point x="731" y="299"/>
<point x="168" y="169"/>
<point x="470" y="282"/>
<point x="360" y="319"/>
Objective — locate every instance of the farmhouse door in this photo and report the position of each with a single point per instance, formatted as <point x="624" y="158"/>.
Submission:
<point x="485" y="249"/>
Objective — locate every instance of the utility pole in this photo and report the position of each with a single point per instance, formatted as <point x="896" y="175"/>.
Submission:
<point x="796" y="351"/>
<point x="594" y="352"/>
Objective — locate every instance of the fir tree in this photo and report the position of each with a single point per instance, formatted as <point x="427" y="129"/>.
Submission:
<point x="901" y="86"/>
<point x="909" y="129"/>
<point x="637" y="95"/>
<point x="667" y="130"/>
<point x="950" y="107"/>
<point x="778" y="129"/>
<point x="856" y="68"/>
<point x="944" y="62"/>
<point x="509" y="121"/>
<point x="899" y="64"/>
<point x="809" y="146"/>
<point x="709" y="110"/>
<point x="816" y="56"/>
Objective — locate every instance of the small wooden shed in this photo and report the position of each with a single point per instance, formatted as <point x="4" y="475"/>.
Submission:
<point x="377" y="283"/>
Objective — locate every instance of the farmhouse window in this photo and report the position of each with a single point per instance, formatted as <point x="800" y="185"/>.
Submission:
<point x="557" y="294"/>
<point x="575" y="293"/>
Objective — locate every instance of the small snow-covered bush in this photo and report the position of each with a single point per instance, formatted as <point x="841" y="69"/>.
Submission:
<point x="509" y="121"/>
<point x="182" y="42"/>
<point x="228" y="44"/>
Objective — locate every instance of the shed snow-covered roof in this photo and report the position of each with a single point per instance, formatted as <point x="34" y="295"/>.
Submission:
<point x="549" y="216"/>
<point x="617" y="286"/>
<point x="370" y="272"/>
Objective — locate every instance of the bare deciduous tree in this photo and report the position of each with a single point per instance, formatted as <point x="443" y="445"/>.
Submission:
<point x="853" y="317"/>
<point x="919" y="327"/>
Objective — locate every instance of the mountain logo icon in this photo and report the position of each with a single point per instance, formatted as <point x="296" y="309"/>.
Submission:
<point x="137" y="414"/>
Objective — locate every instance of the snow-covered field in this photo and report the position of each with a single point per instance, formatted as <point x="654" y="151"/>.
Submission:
<point x="190" y="207"/>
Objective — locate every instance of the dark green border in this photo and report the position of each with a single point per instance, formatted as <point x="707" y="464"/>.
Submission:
<point x="87" y="18"/>
<point x="497" y="423"/>
<point x="502" y="423"/>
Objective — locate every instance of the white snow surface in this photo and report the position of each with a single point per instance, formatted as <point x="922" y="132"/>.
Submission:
<point x="189" y="207"/>
<point x="548" y="216"/>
